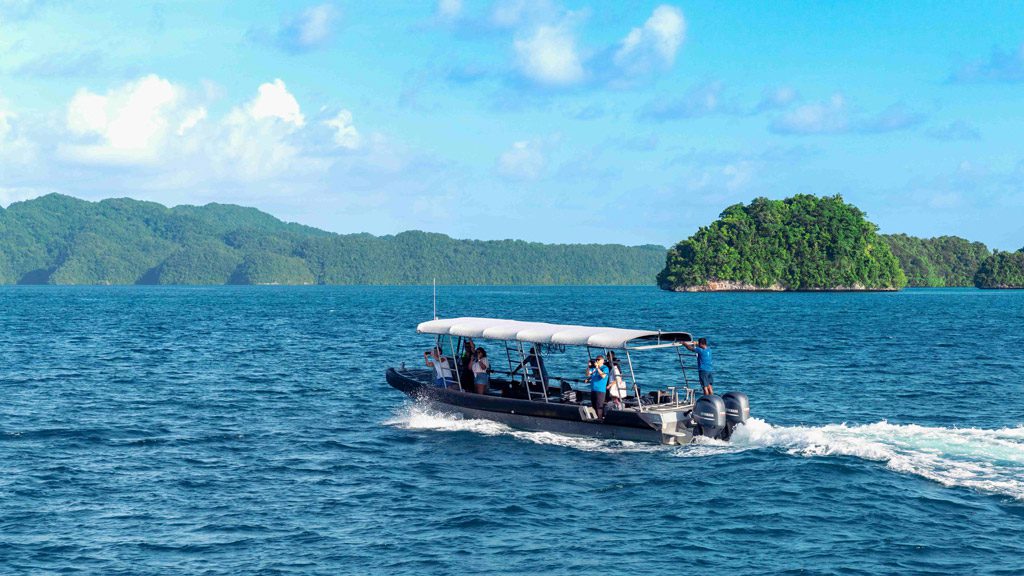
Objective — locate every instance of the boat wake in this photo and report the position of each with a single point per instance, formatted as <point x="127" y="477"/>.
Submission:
<point x="418" y="417"/>
<point x="988" y="460"/>
<point x="981" y="459"/>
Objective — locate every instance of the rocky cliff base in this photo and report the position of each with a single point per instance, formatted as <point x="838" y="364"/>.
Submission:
<point x="731" y="286"/>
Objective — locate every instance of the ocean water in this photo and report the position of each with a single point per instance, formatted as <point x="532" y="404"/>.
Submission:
<point x="249" y="430"/>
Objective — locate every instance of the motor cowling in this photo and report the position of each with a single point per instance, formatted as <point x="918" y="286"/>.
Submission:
<point x="709" y="412"/>
<point x="737" y="407"/>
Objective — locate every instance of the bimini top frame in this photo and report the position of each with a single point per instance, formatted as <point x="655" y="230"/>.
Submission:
<point x="544" y="333"/>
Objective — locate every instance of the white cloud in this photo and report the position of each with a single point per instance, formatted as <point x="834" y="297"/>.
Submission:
<point x="5" y="124"/>
<point x="449" y="9"/>
<point x="14" y="147"/>
<point x="248" y="149"/>
<point x="151" y="125"/>
<point x="192" y="119"/>
<point x="700" y="100"/>
<point x="816" y="118"/>
<point x="309" y="30"/>
<point x="263" y="149"/>
<point x="523" y="161"/>
<point x="836" y="117"/>
<point x="512" y="13"/>
<point x="549" y="56"/>
<point x="345" y="133"/>
<point x="315" y="25"/>
<point x="255" y="140"/>
<point x="777" y="98"/>
<point x="127" y="125"/>
<point x="655" y="44"/>
<point x="893" y="118"/>
<point x="275" y="101"/>
<point x="10" y="195"/>
<point x="732" y="177"/>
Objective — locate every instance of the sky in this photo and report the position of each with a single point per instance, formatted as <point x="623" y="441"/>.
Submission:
<point x="626" y="122"/>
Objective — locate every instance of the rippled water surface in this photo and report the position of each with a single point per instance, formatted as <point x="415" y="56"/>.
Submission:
<point x="250" y="430"/>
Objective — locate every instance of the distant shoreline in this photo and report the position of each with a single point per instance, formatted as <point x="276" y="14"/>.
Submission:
<point x="312" y="286"/>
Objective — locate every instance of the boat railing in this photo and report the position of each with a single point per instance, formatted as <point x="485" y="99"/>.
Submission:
<point x="678" y="396"/>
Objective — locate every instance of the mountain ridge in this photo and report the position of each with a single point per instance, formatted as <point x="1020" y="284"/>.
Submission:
<point x="60" y="239"/>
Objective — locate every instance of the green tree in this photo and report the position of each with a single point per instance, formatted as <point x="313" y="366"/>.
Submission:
<point x="800" y="243"/>
<point x="201" y="261"/>
<point x="270" y="268"/>
<point x="1001" y="270"/>
<point x="937" y="262"/>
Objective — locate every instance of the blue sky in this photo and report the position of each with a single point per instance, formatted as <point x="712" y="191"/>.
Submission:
<point x="550" y="121"/>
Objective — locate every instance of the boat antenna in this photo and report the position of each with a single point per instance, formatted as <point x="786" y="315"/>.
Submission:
<point x="435" y="298"/>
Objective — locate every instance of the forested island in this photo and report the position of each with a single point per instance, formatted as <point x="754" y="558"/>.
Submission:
<point x="1001" y="270"/>
<point x="58" y="239"/>
<point x="800" y="243"/>
<point x="822" y="243"/>
<point x="940" y="262"/>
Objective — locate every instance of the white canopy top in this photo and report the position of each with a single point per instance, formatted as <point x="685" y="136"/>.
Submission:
<point x="544" y="333"/>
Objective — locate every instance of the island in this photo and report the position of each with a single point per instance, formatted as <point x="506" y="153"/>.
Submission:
<point x="805" y="242"/>
<point x="942" y="262"/>
<point x="1001" y="270"/>
<point x="800" y="243"/>
<point x="57" y="239"/>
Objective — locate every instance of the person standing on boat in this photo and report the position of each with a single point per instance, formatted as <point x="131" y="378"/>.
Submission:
<point x="705" y="366"/>
<point x="442" y="368"/>
<point x="480" y="366"/>
<point x="597" y="375"/>
<point x="536" y="364"/>
<point x="614" y="379"/>
<point x="616" y="387"/>
<point x="610" y="360"/>
<point x="466" y="375"/>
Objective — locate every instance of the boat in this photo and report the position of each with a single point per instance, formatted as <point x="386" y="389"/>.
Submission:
<point x="525" y="396"/>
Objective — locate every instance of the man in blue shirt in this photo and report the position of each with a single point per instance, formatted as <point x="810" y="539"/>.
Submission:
<point x="597" y="375"/>
<point x="705" y="367"/>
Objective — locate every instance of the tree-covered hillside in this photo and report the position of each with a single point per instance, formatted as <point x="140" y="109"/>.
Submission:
<point x="937" y="262"/>
<point x="800" y="243"/>
<point x="1001" y="270"/>
<point x="57" y="239"/>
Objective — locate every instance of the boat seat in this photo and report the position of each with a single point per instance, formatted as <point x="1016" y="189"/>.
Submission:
<point x="566" y="394"/>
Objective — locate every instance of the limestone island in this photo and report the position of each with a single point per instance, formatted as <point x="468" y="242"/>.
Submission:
<point x="802" y="243"/>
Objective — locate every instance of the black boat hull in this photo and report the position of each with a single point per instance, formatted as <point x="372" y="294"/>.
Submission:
<point x="557" y="417"/>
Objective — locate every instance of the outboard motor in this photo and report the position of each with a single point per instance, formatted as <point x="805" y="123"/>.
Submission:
<point x="737" y="411"/>
<point x="709" y="412"/>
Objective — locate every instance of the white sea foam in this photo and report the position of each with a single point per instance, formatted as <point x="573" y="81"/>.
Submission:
<point x="418" y="417"/>
<point x="981" y="459"/>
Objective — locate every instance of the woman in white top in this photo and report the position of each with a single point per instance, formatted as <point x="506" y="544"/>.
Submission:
<point x="616" y="387"/>
<point x="481" y="366"/>
<point x="442" y="369"/>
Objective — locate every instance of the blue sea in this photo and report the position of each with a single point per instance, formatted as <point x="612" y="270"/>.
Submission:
<point x="249" y="430"/>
